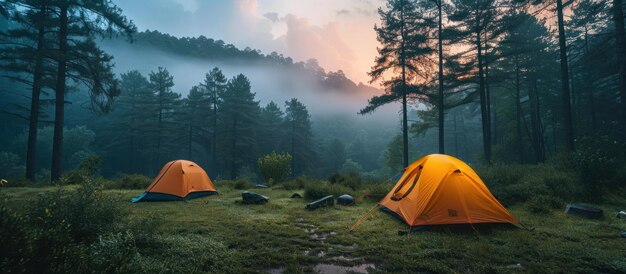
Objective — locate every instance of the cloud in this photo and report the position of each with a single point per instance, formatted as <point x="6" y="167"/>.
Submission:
<point x="312" y="30"/>
<point x="365" y="12"/>
<point x="324" y="43"/>
<point x="272" y="16"/>
<point x="343" y="12"/>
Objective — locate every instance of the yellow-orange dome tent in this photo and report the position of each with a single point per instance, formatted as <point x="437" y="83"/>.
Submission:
<point x="178" y="180"/>
<point x="440" y="189"/>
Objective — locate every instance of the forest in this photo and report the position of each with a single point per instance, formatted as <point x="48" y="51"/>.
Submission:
<point x="94" y="106"/>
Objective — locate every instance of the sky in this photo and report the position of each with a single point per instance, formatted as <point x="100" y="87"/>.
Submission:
<point x="339" y="34"/>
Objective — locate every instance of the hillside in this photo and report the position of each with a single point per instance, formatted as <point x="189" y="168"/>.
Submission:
<point x="207" y="49"/>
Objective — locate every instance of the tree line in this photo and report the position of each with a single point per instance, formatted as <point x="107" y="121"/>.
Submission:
<point x="536" y="89"/>
<point x="218" y="124"/>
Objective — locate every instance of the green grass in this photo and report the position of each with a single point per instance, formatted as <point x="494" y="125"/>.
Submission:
<point x="218" y="232"/>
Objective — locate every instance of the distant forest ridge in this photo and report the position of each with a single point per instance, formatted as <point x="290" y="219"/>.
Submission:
<point x="204" y="48"/>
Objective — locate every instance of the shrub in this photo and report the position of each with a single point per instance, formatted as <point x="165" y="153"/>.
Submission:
<point x="88" y="168"/>
<point x="499" y="175"/>
<point x="352" y="180"/>
<point x="74" y="177"/>
<point x="519" y="183"/>
<point x="543" y="204"/>
<point x="131" y="181"/>
<point x="316" y="190"/>
<point x="59" y="229"/>
<point x="87" y="212"/>
<point x="597" y="160"/>
<point x="115" y="253"/>
<point x="72" y="231"/>
<point x="563" y="184"/>
<point x="297" y="183"/>
<point x="378" y="188"/>
<point x="13" y="232"/>
<point x="91" y="164"/>
<point x="275" y="168"/>
<point x="243" y="183"/>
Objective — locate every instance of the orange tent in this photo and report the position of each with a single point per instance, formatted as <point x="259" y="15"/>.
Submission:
<point x="440" y="189"/>
<point x="178" y="180"/>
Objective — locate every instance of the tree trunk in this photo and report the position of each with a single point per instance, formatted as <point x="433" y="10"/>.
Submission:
<point x="131" y="156"/>
<point x="567" y="106"/>
<point x="620" y="42"/>
<point x="190" y="142"/>
<point x="293" y="145"/>
<point x="537" y="136"/>
<point x="488" y="90"/>
<point x="483" y="102"/>
<point x="518" y="110"/>
<point x="441" y="99"/>
<point x="214" y="139"/>
<point x="456" y="135"/>
<point x="158" y="158"/>
<point x="59" y="114"/>
<point x="233" y="151"/>
<point x="31" y="150"/>
<point x="589" y="88"/>
<point x="405" y="127"/>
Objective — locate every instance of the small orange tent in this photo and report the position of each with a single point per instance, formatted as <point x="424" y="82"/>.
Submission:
<point x="178" y="180"/>
<point x="440" y="189"/>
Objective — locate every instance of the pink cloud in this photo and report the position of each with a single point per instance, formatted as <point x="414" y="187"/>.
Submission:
<point x="324" y="43"/>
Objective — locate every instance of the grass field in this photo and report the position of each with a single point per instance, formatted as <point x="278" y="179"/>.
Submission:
<point x="219" y="234"/>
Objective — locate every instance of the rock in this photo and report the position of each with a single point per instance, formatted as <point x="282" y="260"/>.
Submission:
<point x="260" y="186"/>
<point x="326" y="201"/>
<point x="296" y="195"/>
<point x="345" y="200"/>
<point x="623" y="234"/>
<point x="253" y="198"/>
<point x="621" y="214"/>
<point x="583" y="211"/>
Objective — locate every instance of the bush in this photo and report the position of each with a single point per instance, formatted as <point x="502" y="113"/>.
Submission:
<point x="513" y="184"/>
<point x="597" y="161"/>
<point x="86" y="212"/>
<point x="14" y="249"/>
<point x="275" y="168"/>
<point x="91" y="164"/>
<point x="297" y="183"/>
<point x="61" y="232"/>
<point x="352" y="180"/>
<point x="378" y="188"/>
<point x="543" y="204"/>
<point x="315" y="190"/>
<point x="131" y="181"/>
<point x="88" y="168"/>
<point x="74" y="177"/>
<point x="243" y="183"/>
<point x="115" y="253"/>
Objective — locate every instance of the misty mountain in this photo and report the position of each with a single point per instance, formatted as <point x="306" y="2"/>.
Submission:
<point x="207" y="49"/>
<point x="274" y="77"/>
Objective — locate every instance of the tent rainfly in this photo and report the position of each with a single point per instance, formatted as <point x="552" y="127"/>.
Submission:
<point x="178" y="180"/>
<point x="440" y="189"/>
